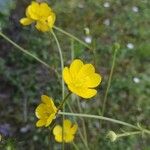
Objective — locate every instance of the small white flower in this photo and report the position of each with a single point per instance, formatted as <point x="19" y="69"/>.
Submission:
<point x="88" y="39"/>
<point x="135" y="9"/>
<point x="130" y="45"/>
<point x="136" y="80"/>
<point x="106" y="22"/>
<point x="106" y="5"/>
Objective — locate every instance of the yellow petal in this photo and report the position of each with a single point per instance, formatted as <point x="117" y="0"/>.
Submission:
<point x="50" y="119"/>
<point x="42" y="26"/>
<point x="51" y="20"/>
<point x="87" y="93"/>
<point x="58" y="138"/>
<point x="57" y="130"/>
<point x="40" y="123"/>
<point x="74" y="129"/>
<point x="26" y="21"/>
<point x="68" y="138"/>
<point x="49" y="102"/>
<point x="66" y="75"/>
<point x="33" y="10"/>
<point x="73" y="89"/>
<point x="93" y="80"/>
<point x="86" y="70"/>
<point x="45" y="99"/>
<point x="67" y="124"/>
<point x="40" y="111"/>
<point x="75" y="66"/>
<point x="45" y="10"/>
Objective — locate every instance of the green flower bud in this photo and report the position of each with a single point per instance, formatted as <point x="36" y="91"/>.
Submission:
<point x="116" y="46"/>
<point x="87" y="31"/>
<point x="112" y="136"/>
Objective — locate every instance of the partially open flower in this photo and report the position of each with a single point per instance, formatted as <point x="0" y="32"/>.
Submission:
<point x="81" y="79"/>
<point x="41" y="14"/>
<point x="45" y="112"/>
<point x="68" y="132"/>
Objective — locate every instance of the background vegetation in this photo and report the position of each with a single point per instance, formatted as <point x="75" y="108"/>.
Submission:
<point x="23" y="80"/>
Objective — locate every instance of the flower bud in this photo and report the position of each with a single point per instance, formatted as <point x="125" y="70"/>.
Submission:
<point x="112" y="136"/>
<point x="116" y="46"/>
<point x="87" y="31"/>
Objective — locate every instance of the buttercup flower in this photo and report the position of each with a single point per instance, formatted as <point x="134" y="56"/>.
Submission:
<point x="68" y="132"/>
<point x="45" y="112"/>
<point x="41" y="14"/>
<point x="81" y="78"/>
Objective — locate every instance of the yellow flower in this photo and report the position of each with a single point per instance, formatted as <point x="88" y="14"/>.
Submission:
<point x="81" y="78"/>
<point x="45" y="112"/>
<point x="68" y="132"/>
<point x="40" y="13"/>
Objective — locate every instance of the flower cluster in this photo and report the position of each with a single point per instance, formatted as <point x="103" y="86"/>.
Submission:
<point x="46" y="112"/>
<point x="41" y="14"/>
<point x="81" y="80"/>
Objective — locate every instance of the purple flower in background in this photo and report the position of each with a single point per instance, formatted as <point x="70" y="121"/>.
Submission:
<point x="5" y="129"/>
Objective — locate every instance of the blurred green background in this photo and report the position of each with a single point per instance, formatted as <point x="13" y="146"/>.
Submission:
<point x="23" y="80"/>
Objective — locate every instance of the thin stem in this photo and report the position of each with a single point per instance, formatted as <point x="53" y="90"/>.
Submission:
<point x="28" y="53"/>
<point x="129" y="133"/>
<point x="72" y="49"/>
<point x="75" y="146"/>
<point x="23" y="50"/>
<point x="62" y="83"/>
<point x="109" y="82"/>
<point x="79" y="130"/>
<point x="84" y="139"/>
<point x="94" y="54"/>
<point x="83" y="123"/>
<point x="72" y="36"/>
<point x="101" y="118"/>
<point x="61" y="61"/>
<point x="63" y="101"/>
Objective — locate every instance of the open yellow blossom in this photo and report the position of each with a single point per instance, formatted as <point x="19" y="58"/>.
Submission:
<point x="68" y="132"/>
<point x="45" y="112"/>
<point x="81" y="79"/>
<point x="41" y="14"/>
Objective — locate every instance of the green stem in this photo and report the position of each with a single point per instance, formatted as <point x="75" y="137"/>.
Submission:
<point x="83" y="123"/>
<point x="62" y="82"/>
<point x="72" y="49"/>
<point x="101" y="118"/>
<point x="129" y="133"/>
<point x="75" y="146"/>
<point x="63" y="101"/>
<point x="109" y="82"/>
<point x="72" y="36"/>
<point x="23" y="50"/>
<point x="83" y="138"/>
<point x="80" y="133"/>
<point x="61" y="61"/>
<point x="28" y="53"/>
